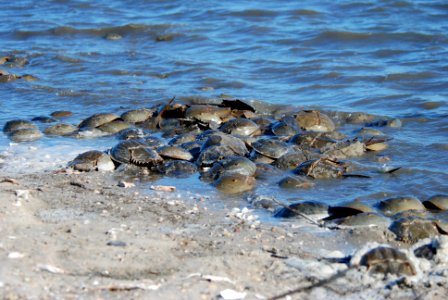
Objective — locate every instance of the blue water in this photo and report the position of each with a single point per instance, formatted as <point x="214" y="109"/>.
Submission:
<point x="382" y="57"/>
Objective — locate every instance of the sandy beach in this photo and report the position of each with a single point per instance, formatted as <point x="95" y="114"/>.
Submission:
<point x="82" y="236"/>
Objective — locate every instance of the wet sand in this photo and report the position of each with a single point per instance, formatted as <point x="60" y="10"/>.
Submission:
<point x="81" y="236"/>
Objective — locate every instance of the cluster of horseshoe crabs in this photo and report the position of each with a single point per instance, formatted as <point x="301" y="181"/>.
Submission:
<point x="13" y="61"/>
<point x="233" y="144"/>
<point x="230" y="142"/>
<point x="408" y="218"/>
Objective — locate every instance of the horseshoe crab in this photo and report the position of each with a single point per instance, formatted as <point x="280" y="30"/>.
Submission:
<point x="234" y="164"/>
<point x="385" y="259"/>
<point x="60" y="129"/>
<point x="174" y="152"/>
<point x="359" y="117"/>
<point x="413" y="229"/>
<point x="25" y="135"/>
<point x="208" y="113"/>
<point x="213" y="154"/>
<point x="137" y="115"/>
<point x="295" y="182"/>
<point x="376" y="144"/>
<point x="399" y="204"/>
<point x="442" y="224"/>
<point x="312" y="140"/>
<point x="370" y="132"/>
<point x="61" y="114"/>
<point x="14" y="125"/>
<point x="322" y="168"/>
<point x="178" y="168"/>
<point x="342" y="150"/>
<point x="6" y="77"/>
<point x="194" y="147"/>
<point x="114" y="126"/>
<point x="240" y="127"/>
<point x="135" y="152"/>
<point x="282" y="128"/>
<point x="240" y="165"/>
<point x="262" y="122"/>
<point x="290" y="160"/>
<point x="131" y="134"/>
<point x="15" y="61"/>
<point x="265" y="171"/>
<point x="348" y="209"/>
<point x="313" y="120"/>
<point x="304" y="207"/>
<point x="437" y="203"/>
<point x="97" y="120"/>
<point x="222" y="139"/>
<point x="422" y="214"/>
<point x="92" y="161"/>
<point x="270" y="148"/>
<point x="182" y="138"/>
<point x="234" y="183"/>
<point x="28" y="77"/>
<point x="170" y="125"/>
<point x="363" y="219"/>
<point x="260" y="158"/>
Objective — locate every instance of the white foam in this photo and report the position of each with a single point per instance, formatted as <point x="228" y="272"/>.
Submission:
<point x="29" y="158"/>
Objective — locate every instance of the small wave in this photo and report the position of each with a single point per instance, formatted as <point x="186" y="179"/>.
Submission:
<point x="372" y="39"/>
<point x="316" y="87"/>
<point x="129" y="29"/>
<point x="410" y="76"/>
<point x="383" y="53"/>
<point x="68" y="59"/>
<point x="440" y="146"/>
<point x="254" y="13"/>
<point x="305" y="12"/>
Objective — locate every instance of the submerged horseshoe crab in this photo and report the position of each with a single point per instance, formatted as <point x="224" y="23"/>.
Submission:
<point x="25" y="135"/>
<point x="60" y="129"/>
<point x="22" y="131"/>
<point x="14" y="125"/>
<point x="234" y="183"/>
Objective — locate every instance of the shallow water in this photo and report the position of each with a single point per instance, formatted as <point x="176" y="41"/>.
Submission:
<point x="382" y="57"/>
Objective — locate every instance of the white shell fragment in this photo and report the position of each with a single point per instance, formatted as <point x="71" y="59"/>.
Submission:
<point x="163" y="188"/>
<point x="229" y="294"/>
<point x="14" y="255"/>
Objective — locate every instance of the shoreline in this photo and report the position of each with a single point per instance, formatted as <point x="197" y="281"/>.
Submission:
<point x="82" y="236"/>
